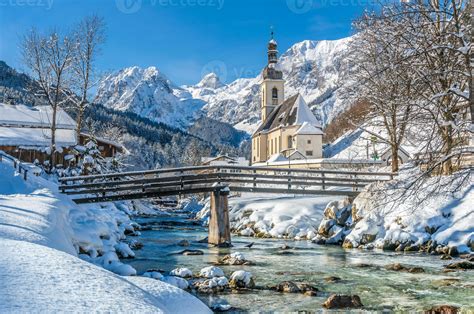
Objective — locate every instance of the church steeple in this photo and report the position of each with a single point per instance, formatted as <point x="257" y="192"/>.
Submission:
<point x="272" y="86"/>
<point x="272" y="50"/>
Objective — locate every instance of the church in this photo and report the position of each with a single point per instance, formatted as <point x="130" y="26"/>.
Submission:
<point x="288" y="129"/>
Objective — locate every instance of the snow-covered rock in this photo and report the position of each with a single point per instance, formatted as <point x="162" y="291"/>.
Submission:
<point x="181" y="272"/>
<point x="439" y="212"/>
<point x="241" y="279"/>
<point x="211" y="271"/>
<point x="153" y="274"/>
<point x="176" y="281"/>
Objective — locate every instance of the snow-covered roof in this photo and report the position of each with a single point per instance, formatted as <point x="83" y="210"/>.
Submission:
<point x="272" y="41"/>
<point x="308" y="129"/>
<point x="292" y="112"/>
<point x="39" y="116"/>
<point x="303" y="113"/>
<point x="277" y="157"/>
<point x="35" y="137"/>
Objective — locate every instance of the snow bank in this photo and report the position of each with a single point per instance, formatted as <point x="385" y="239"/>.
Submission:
<point x="42" y="233"/>
<point x="288" y="216"/>
<point x="446" y="214"/>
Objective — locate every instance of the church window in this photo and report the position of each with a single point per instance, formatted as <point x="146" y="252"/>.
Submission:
<point x="309" y="153"/>
<point x="274" y="93"/>
<point x="309" y="141"/>
<point x="290" y="141"/>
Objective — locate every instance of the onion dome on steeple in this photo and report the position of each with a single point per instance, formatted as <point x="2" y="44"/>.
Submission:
<point x="270" y="71"/>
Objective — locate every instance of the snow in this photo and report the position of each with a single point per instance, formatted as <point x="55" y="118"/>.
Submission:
<point x="181" y="272"/>
<point x="304" y="114"/>
<point x="35" y="137"/>
<point x="41" y="232"/>
<point x="238" y="256"/>
<point x="277" y="157"/>
<point x="274" y="216"/>
<point x="176" y="281"/>
<point x="307" y="128"/>
<point x="38" y="116"/>
<point x="148" y="93"/>
<point x="211" y="271"/>
<point x="389" y="217"/>
<point x="241" y="275"/>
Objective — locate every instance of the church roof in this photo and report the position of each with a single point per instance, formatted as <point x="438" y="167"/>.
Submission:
<point x="308" y="129"/>
<point x="293" y="111"/>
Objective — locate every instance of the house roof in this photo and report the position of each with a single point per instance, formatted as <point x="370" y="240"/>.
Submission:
<point x="293" y="111"/>
<point x="35" y="137"/>
<point x="34" y="117"/>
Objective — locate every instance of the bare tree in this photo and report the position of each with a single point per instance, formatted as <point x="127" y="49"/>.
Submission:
<point x="88" y="36"/>
<point x="49" y="58"/>
<point x="382" y="76"/>
<point x="438" y="34"/>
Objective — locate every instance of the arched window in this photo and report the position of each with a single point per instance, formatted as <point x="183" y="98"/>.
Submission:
<point x="274" y="93"/>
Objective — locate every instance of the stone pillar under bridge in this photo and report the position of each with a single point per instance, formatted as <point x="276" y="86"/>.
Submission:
<point x="219" y="226"/>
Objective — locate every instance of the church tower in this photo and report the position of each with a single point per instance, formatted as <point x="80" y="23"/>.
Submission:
<point x="272" y="87"/>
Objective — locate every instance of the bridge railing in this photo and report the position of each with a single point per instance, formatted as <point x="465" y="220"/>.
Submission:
<point x="200" y="179"/>
<point x="16" y="164"/>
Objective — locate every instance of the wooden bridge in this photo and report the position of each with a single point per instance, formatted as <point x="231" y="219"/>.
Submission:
<point x="219" y="181"/>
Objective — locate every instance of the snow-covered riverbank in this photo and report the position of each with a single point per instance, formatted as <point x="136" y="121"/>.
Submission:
<point x="385" y="215"/>
<point x="45" y="239"/>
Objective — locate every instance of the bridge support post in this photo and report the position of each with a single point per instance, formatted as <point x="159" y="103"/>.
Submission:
<point x="219" y="226"/>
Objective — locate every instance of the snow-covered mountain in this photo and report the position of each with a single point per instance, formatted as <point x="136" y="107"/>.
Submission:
<point x="148" y="93"/>
<point x="311" y="68"/>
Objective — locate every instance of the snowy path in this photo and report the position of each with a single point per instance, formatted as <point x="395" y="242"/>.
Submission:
<point x="39" y="267"/>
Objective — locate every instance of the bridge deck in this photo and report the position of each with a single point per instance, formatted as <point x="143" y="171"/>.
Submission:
<point x="204" y="179"/>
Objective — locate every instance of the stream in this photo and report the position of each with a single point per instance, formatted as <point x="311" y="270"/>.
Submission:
<point x="361" y="272"/>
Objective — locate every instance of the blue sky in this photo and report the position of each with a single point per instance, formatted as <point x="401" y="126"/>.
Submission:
<point x="184" y="38"/>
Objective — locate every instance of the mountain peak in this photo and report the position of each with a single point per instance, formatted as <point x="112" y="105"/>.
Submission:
<point x="210" y="80"/>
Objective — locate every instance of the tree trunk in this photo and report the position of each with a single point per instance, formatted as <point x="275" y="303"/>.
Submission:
<point x="80" y="114"/>
<point x="395" y="163"/>
<point x="53" y="137"/>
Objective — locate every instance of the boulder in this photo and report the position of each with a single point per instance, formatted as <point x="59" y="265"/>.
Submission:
<point x="235" y="258"/>
<point x="183" y="243"/>
<point x="347" y="244"/>
<point x="460" y="265"/>
<point x="181" y="272"/>
<point x="190" y="252"/>
<point x="443" y="309"/>
<point x="211" y="272"/>
<point x="296" y="287"/>
<point x="332" y="279"/>
<point x="325" y="226"/>
<point x="339" y="301"/>
<point x="212" y="285"/>
<point x="400" y="267"/>
<point x="367" y="238"/>
<point x="241" y="279"/>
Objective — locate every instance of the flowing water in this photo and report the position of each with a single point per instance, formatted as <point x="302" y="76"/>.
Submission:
<point x="361" y="272"/>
